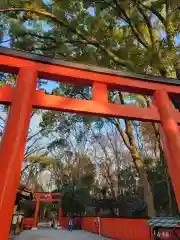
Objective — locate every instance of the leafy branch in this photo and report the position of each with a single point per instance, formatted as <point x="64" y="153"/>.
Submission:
<point x="133" y="28"/>
<point x="93" y="42"/>
<point x="161" y="18"/>
<point x="148" y="23"/>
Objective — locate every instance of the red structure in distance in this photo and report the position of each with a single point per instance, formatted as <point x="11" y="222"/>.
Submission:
<point x="44" y="197"/>
<point x="24" y="97"/>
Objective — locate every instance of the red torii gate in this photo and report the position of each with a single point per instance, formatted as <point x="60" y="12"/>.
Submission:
<point x="45" y="197"/>
<point x="25" y="96"/>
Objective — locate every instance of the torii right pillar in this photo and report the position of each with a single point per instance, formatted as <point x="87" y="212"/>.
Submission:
<point x="171" y="138"/>
<point x="60" y="216"/>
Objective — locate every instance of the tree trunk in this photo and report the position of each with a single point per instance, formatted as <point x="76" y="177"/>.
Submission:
<point x="130" y="142"/>
<point x="148" y="196"/>
<point x="144" y="182"/>
<point x="169" y="195"/>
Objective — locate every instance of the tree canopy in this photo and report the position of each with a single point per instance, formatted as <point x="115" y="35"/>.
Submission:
<point x="98" y="32"/>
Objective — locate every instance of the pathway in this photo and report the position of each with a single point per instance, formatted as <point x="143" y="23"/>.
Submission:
<point x="49" y="234"/>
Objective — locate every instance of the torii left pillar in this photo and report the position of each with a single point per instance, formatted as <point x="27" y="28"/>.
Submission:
<point x="13" y="145"/>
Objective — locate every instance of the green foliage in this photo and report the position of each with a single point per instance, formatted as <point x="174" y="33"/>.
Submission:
<point x="76" y="185"/>
<point x="45" y="160"/>
<point x="103" y="38"/>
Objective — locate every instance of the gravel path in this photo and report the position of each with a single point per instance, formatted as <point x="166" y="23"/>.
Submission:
<point x="61" y="234"/>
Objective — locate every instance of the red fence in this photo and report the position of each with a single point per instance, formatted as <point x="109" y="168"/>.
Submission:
<point x="28" y="223"/>
<point x="115" y="228"/>
<point x="89" y="224"/>
<point x="64" y="222"/>
<point x="125" y="229"/>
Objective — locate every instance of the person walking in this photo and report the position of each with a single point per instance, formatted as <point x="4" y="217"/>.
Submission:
<point x="53" y="222"/>
<point x="14" y="222"/>
<point x="17" y="230"/>
<point x="21" y="220"/>
<point x="70" y="224"/>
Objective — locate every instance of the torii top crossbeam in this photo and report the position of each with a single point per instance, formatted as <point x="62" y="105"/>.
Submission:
<point x="90" y="68"/>
<point x="25" y="96"/>
<point x="100" y="78"/>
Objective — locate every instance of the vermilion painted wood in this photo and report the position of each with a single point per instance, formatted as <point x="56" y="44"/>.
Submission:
<point x="35" y="221"/>
<point x="100" y="92"/>
<point x="100" y="108"/>
<point x="41" y="100"/>
<point x="28" y="223"/>
<point x="88" y="224"/>
<point x="64" y="222"/>
<point x="13" y="144"/>
<point x="47" y="194"/>
<point x="6" y="94"/>
<point x="60" y="216"/>
<point x="118" y="228"/>
<point x="171" y="138"/>
<point x="87" y="67"/>
<point x="24" y="96"/>
<point x="95" y="107"/>
<point x="49" y="200"/>
<point x="77" y="76"/>
<point x="126" y="229"/>
<point x="43" y="197"/>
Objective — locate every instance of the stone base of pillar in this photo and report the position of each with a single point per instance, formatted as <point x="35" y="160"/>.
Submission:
<point x="59" y="228"/>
